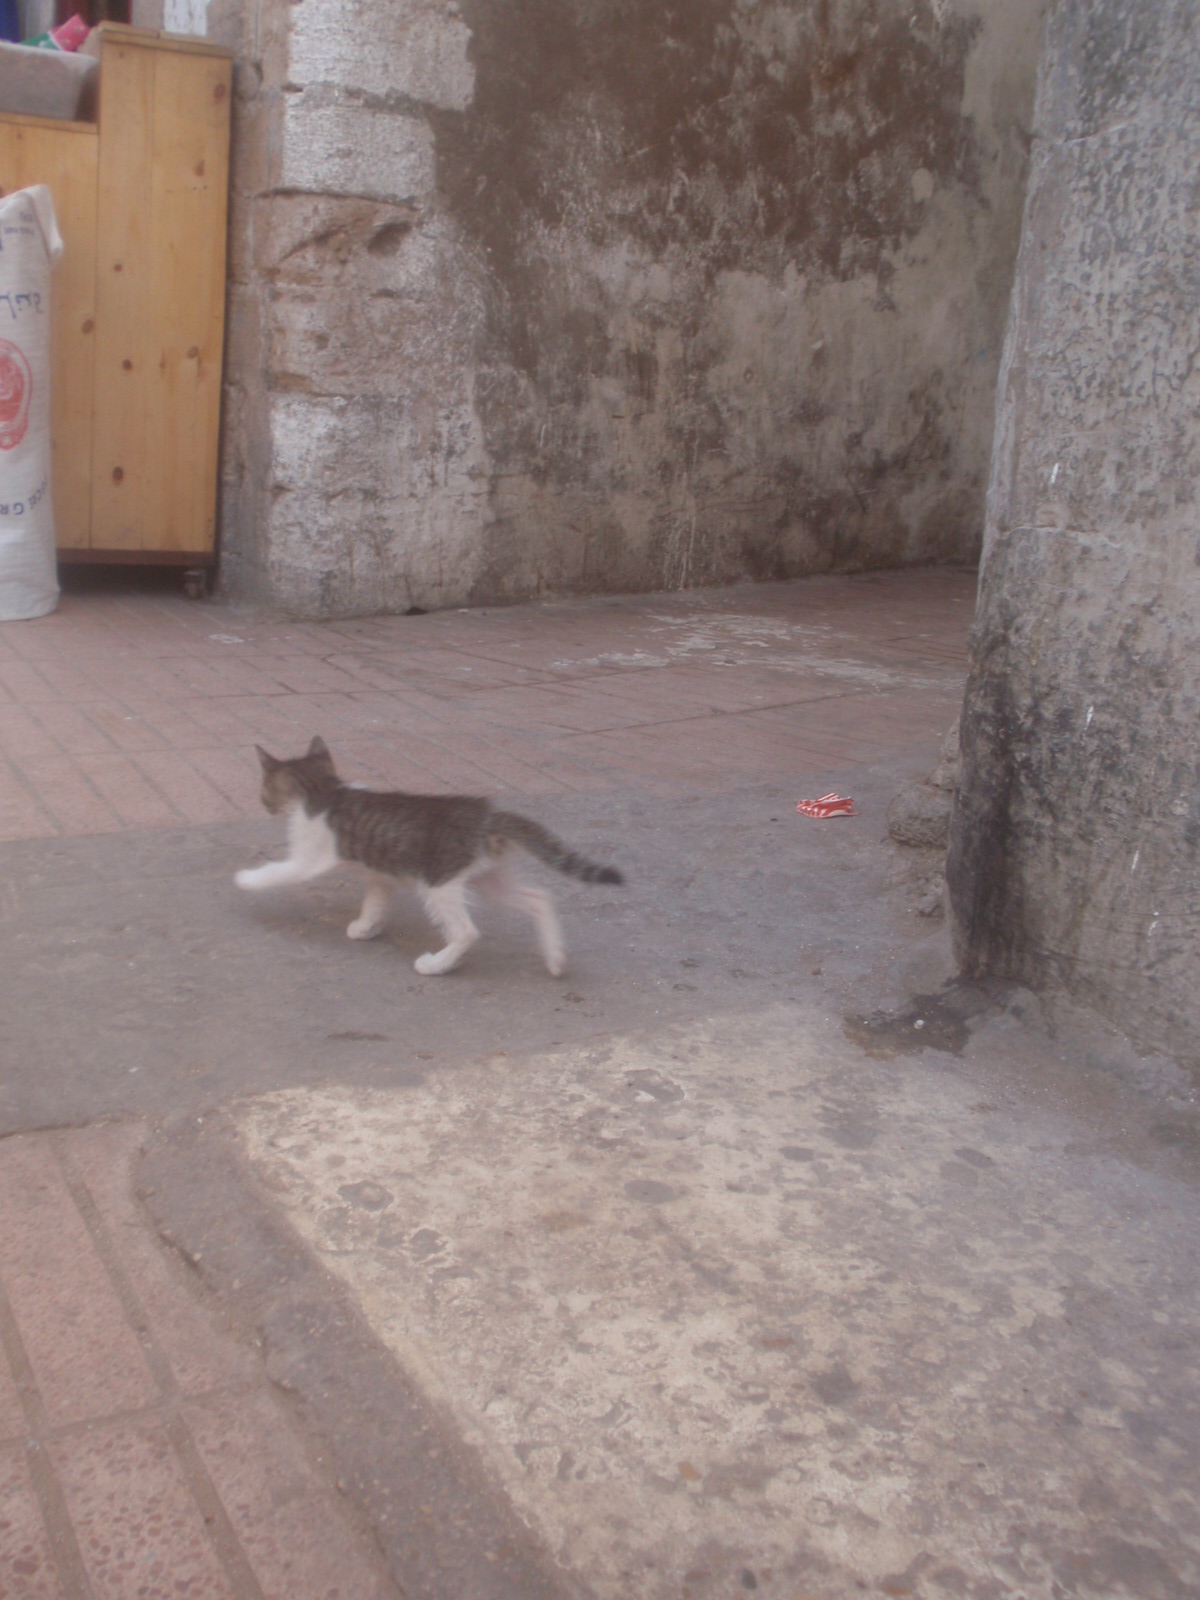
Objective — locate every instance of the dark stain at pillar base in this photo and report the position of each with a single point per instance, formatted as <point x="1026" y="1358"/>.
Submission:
<point x="941" y="1021"/>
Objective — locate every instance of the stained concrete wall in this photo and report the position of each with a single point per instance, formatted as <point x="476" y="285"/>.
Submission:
<point x="1075" y="851"/>
<point x="585" y="294"/>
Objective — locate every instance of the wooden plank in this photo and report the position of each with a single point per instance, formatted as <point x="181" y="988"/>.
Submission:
<point x="164" y="143"/>
<point x="154" y="39"/>
<point x="187" y="256"/>
<point x="63" y="155"/>
<point x="124" y="345"/>
<point x="140" y="558"/>
<point x="21" y="119"/>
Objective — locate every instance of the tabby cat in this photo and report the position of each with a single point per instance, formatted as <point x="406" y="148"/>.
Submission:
<point x="445" y="843"/>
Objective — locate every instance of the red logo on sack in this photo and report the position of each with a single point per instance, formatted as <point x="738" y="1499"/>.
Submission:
<point x="16" y="391"/>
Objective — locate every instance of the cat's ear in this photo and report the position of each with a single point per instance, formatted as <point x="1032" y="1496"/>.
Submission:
<point x="266" y="761"/>
<point x="320" y="749"/>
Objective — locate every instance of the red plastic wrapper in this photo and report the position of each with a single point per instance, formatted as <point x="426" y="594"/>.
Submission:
<point x="829" y="805"/>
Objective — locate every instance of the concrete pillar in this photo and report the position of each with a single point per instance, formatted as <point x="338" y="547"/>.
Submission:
<point x="1075" y="848"/>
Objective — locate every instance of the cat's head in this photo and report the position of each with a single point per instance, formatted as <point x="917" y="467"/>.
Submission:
<point x="298" y="779"/>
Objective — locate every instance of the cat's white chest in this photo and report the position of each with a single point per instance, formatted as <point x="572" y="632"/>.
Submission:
<point x="311" y="841"/>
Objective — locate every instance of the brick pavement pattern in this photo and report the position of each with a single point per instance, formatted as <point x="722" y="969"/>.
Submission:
<point x="120" y="712"/>
<point x="143" y="1451"/>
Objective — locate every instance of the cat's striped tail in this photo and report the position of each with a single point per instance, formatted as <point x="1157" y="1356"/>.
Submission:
<point x="540" y="842"/>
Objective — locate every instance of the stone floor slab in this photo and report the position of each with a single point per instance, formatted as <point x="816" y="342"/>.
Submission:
<point x="728" y="1307"/>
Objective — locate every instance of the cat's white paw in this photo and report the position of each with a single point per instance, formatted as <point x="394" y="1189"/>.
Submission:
<point x="556" y="963"/>
<point x="434" y="962"/>
<point x="247" y="878"/>
<point x="363" y="928"/>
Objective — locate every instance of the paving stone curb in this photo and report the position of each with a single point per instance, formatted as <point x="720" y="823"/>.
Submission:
<point x="444" y="1528"/>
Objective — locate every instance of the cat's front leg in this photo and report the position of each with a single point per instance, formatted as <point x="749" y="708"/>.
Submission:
<point x="311" y="851"/>
<point x="371" y="918"/>
<point x="309" y="858"/>
<point x="271" y="876"/>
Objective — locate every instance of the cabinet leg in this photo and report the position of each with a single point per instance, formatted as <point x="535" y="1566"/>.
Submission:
<point x="195" y="582"/>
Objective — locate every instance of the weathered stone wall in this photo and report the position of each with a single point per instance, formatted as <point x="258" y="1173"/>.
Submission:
<point x="1075" y="851"/>
<point x="586" y="294"/>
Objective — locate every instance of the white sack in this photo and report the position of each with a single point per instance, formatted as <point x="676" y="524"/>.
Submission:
<point x="30" y="244"/>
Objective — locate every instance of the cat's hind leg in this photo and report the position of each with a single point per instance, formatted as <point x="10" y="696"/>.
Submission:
<point x="371" y="918"/>
<point x="447" y="905"/>
<point x="501" y="884"/>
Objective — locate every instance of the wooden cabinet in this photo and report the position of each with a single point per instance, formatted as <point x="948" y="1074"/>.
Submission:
<point x="139" y="298"/>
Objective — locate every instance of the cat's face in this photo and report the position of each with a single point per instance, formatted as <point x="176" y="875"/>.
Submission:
<point x="286" y="783"/>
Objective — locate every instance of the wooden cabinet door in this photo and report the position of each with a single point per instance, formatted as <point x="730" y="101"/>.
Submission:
<point x="160" y="293"/>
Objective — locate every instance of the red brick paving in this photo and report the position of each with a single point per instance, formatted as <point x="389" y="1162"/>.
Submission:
<point x="141" y="712"/>
<point x="142" y="1452"/>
